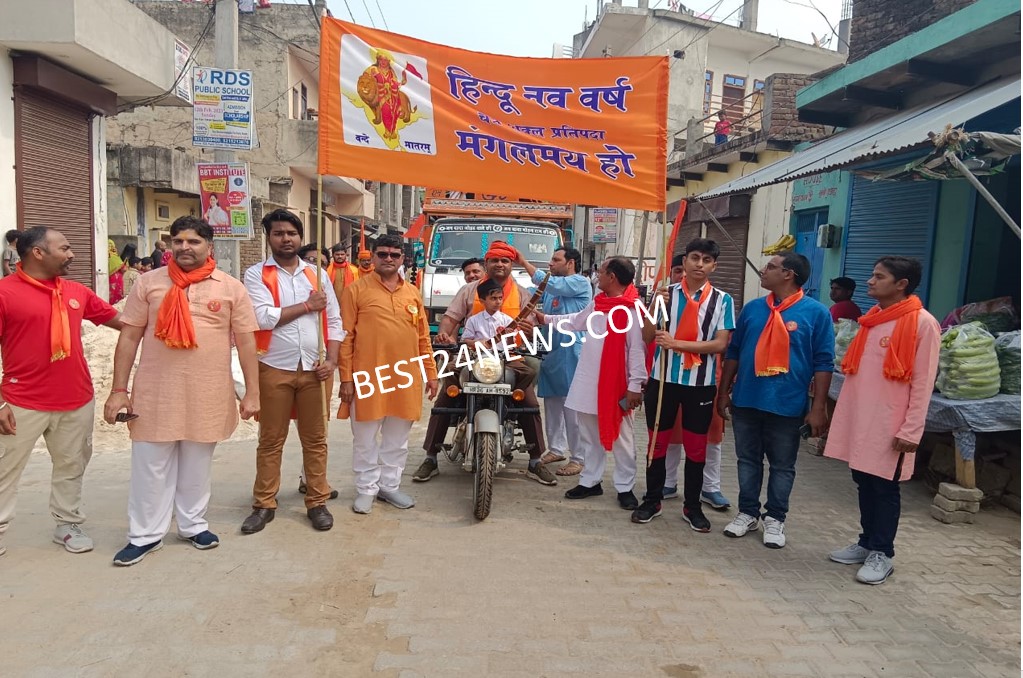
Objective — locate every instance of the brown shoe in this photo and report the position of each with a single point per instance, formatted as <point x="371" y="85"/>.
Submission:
<point x="257" y="520"/>
<point x="320" y="517"/>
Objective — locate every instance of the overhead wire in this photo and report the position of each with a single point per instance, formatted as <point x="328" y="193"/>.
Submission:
<point x="369" y="13"/>
<point x="379" y="9"/>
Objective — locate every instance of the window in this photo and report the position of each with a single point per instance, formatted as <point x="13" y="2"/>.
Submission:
<point x="733" y="91"/>
<point x="162" y="211"/>
<point x="305" y="104"/>
<point x="758" y="84"/>
<point x="294" y="103"/>
<point x="708" y="86"/>
<point x="735" y="81"/>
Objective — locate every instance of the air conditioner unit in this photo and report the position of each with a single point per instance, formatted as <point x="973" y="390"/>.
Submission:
<point x="829" y="235"/>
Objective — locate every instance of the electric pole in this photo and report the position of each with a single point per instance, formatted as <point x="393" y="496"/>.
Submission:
<point x="225" y="55"/>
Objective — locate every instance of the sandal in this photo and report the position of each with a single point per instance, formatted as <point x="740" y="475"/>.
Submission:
<point x="551" y="458"/>
<point x="572" y="468"/>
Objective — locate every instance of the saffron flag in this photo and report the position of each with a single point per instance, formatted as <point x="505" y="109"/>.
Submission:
<point x="401" y="110"/>
<point x="664" y="269"/>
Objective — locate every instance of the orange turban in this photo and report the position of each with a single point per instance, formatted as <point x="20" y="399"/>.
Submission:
<point x="365" y="255"/>
<point x="501" y="250"/>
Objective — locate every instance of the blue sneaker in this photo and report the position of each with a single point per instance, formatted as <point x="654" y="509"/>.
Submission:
<point x="715" y="500"/>
<point x="669" y="493"/>
<point x="203" y="540"/>
<point x="132" y="554"/>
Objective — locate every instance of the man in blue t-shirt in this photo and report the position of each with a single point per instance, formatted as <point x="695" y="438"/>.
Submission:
<point x="781" y="343"/>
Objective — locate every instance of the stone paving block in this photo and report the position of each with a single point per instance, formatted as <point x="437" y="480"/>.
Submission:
<point x="951" y="517"/>
<point x="789" y="668"/>
<point x="958" y="493"/>
<point x="946" y="504"/>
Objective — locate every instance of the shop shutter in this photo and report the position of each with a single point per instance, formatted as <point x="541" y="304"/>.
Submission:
<point x="730" y="274"/>
<point x="888" y="218"/>
<point x="53" y="158"/>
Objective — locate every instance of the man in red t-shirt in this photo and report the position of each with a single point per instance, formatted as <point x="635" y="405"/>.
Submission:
<point x="46" y="388"/>
<point x="842" y="290"/>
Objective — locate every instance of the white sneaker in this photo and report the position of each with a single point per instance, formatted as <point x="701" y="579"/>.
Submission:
<point x="397" y="499"/>
<point x="741" y="524"/>
<point x="72" y="537"/>
<point x="774" y="533"/>
<point x="853" y="554"/>
<point x="363" y="503"/>
<point x="876" y="569"/>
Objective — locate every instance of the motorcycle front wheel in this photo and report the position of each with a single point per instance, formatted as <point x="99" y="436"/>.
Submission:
<point x="485" y="446"/>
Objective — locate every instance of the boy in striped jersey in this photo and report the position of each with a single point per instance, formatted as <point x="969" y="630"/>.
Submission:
<point x="701" y="318"/>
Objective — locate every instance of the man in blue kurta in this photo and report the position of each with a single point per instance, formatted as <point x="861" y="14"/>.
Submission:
<point x="567" y="292"/>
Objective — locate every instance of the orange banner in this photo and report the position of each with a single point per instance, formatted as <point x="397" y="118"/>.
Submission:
<point x="405" y="111"/>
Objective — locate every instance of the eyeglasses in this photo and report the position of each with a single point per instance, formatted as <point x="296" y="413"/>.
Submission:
<point x="772" y="267"/>
<point x="390" y="255"/>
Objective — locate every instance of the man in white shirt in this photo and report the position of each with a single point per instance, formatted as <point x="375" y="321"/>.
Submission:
<point x="287" y="299"/>
<point x="608" y="382"/>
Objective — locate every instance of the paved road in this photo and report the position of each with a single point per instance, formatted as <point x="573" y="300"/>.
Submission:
<point x="544" y="587"/>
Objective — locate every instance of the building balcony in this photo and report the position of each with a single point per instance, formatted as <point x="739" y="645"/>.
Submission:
<point x="110" y="42"/>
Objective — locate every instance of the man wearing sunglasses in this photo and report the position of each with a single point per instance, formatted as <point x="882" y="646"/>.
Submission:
<point x="387" y="352"/>
<point x="780" y="344"/>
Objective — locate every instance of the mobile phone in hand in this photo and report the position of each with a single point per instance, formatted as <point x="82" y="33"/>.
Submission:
<point x="123" y="417"/>
<point x="805" y="431"/>
<point x="624" y="404"/>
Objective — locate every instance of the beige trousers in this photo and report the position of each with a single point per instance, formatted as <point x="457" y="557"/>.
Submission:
<point x="68" y="438"/>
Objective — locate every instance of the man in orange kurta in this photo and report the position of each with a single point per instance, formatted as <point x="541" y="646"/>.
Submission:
<point x="385" y="359"/>
<point x="889" y="377"/>
<point x="340" y="271"/>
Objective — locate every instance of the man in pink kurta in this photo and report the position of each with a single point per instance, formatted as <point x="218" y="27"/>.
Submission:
<point x="182" y="415"/>
<point x="880" y="415"/>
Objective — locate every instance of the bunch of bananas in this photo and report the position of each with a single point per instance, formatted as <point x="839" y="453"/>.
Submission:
<point x="786" y="242"/>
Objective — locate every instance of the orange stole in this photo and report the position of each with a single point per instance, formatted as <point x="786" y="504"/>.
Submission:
<point x="270" y="280"/>
<point x="511" y="304"/>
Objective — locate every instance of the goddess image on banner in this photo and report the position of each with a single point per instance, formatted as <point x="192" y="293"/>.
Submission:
<point x="401" y="110"/>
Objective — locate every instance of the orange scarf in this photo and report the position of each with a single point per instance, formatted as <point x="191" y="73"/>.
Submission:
<point x="689" y="324"/>
<point x="898" y="361"/>
<point x="174" y="319"/>
<point x="511" y="305"/>
<point x="270" y="280"/>
<point x="60" y="328"/>
<point x="350" y="273"/>
<point x="772" y="354"/>
<point x="613" y="377"/>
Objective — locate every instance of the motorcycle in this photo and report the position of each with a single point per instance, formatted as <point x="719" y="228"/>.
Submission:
<point x="486" y="436"/>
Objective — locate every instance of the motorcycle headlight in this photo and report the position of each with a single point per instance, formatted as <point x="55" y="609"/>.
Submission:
<point x="488" y="370"/>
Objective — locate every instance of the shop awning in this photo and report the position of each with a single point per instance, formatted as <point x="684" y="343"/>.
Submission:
<point x="873" y="140"/>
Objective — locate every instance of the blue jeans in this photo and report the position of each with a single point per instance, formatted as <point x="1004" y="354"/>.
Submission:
<point x="759" y="434"/>
<point x="720" y="139"/>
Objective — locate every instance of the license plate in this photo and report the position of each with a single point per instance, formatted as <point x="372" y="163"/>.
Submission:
<point x="487" y="389"/>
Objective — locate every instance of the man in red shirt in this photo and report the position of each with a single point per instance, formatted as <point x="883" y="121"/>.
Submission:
<point x="842" y="290"/>
<point x="46" y="388"/>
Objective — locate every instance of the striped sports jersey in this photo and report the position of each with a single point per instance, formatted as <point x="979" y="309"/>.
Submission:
<point x="717" y="314"/>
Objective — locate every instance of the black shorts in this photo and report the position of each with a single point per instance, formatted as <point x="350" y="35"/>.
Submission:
<point x="697" y="403"/>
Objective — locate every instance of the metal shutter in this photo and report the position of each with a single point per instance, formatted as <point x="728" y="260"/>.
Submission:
<point x="53" y="158"/>
<point x="888" y="218"/>
<point x="730" y="274"/>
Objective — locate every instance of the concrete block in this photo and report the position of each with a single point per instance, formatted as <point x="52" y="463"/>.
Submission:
<point x="1011" y="501"/>
<point x="946" y="504"/>
<point x="957" y="493"/>
<point x="951" y="517"/>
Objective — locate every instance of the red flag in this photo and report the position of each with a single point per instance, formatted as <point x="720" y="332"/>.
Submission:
<point x="664" y="270"/>
<point x="415" y="229"/>
<point x="412" y="69"/>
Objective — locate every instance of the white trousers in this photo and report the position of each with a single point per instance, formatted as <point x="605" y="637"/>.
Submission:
<point x="711" y="471"/>
<point x="595" y="456"/>
<point x="379" y="465"/>
<point x="562" y="429"/>
<point x="168" y="478"/>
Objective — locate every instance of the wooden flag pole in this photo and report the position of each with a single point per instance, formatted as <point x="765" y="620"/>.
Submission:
<point x="663" y="358"/>
<point x="321" y="350"/>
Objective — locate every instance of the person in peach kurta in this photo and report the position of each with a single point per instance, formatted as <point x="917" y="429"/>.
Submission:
<point x="184" y="315"/>
<point x="385" y="358"/>
<point x="879" y="419"/>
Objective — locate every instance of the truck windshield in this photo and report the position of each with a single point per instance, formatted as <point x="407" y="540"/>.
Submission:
<point x="452" y="246"/>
